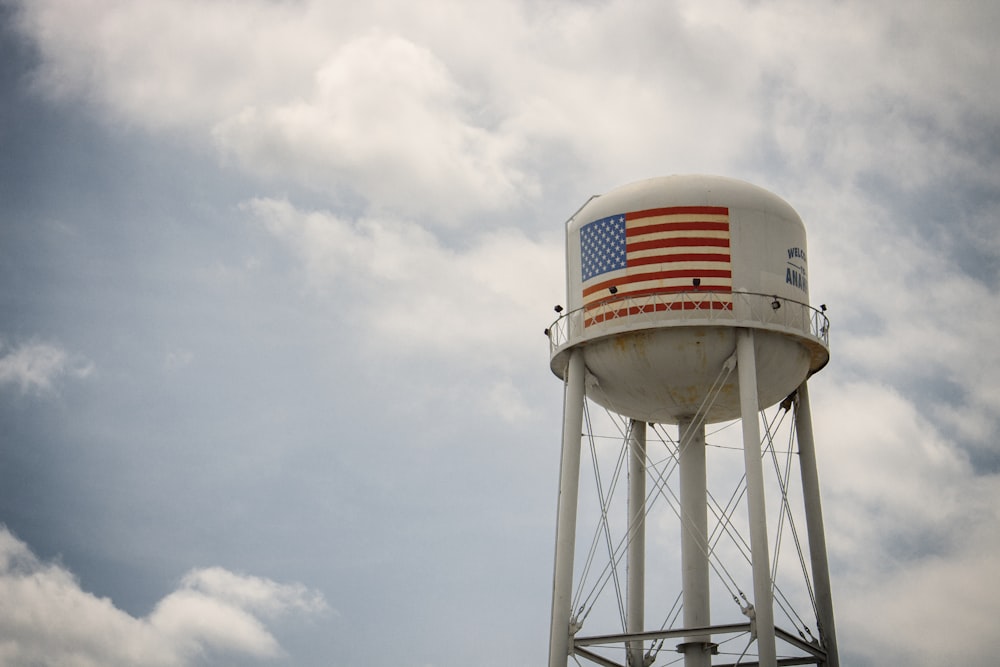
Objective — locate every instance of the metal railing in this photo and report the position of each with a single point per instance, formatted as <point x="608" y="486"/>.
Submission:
<point x="689" y="308"/>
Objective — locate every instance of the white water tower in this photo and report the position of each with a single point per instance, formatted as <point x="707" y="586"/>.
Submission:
<point x="688" y="305"/>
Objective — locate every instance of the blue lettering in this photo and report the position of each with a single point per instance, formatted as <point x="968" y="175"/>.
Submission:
<point x="795" y="274"/>
<point x="796" y="279"/>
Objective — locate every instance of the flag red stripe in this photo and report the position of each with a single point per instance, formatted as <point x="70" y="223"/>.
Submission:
<point x="656" y="275"/>
<point x="684" y="226"/>
<point x="677" y="210"/>
<point x="681" y="257"/>
<point x="676" y="243"/>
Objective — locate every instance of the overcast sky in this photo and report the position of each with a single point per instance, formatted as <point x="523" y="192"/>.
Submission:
<point x="274" y="275"/>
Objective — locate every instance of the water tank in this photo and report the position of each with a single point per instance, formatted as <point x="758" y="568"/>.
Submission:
<point x="660" y="275"/>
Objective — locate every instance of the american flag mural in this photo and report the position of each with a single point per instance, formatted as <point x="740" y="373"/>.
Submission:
<point x="660" y="251"/>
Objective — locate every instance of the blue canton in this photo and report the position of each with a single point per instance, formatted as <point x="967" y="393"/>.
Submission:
<point x="602" y="246"/>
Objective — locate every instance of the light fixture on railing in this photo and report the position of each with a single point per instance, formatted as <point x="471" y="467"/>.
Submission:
<point x="696" y="282"/>
<point x="613" y="289"/>
<point x="775" y="305"/>
<point x="822" y="307"/>
<point x="546" y="332"/>
<point x="558" y="308"/>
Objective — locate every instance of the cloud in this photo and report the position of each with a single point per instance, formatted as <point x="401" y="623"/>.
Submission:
<point x="939" y="596"/>
<point x="261" y="596"/>
<point x="169" y="65"/>
<point x="47" y="618"/>
<point x="412" y="114"/>
<point x="913" y="567"/>
<point x="36" y="367"/>
<point x="413" y="292"/>
<point x="838" y="91"/>
<point x="388" y="104"/>
<point x="386" y="118"/>
<point x="408" y="110"/>
<point x="284" y="95"/>
<point x="901" y="311"/>
<point x="409" y="300"/>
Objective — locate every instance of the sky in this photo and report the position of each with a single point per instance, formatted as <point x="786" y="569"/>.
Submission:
<point x="274" y="275"/>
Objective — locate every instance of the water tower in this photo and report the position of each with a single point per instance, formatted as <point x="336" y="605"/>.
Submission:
<point x="688" y="305"/>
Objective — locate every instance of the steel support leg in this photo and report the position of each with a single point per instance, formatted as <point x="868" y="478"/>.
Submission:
<point x="636" y="564"/>
<point x="814" y="526"/>
<point x="569" y="486"/>
<point x="694" y="542"/>
<point x="746" y="366"/>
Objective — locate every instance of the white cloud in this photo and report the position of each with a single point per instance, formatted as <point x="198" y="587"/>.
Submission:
<point x="165" y="65"/>
<point x="285" y="93"/>
<point x="906" y="312"/>
<point x="451" y="108"/>
<point x="848" y="89"/>
<point x="47" y="618"/>
<point x="36" y="367"/>
<point x="413" y="292"/>
<point x="255" y="594"/>
<point x="891" y="615"/>
<point x="385" y="117"/>
<point x="911" y="528"/>
<point x="476" y="310"/>
<point x="407" y="108"/>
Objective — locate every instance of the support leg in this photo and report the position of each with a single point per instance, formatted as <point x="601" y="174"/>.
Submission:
<point x="694" y="542"/>
<point x="569" y="486"/>
<point x="814" y="526"/>
<point x="636" y="565"/>
<point x="746" y="366"/>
